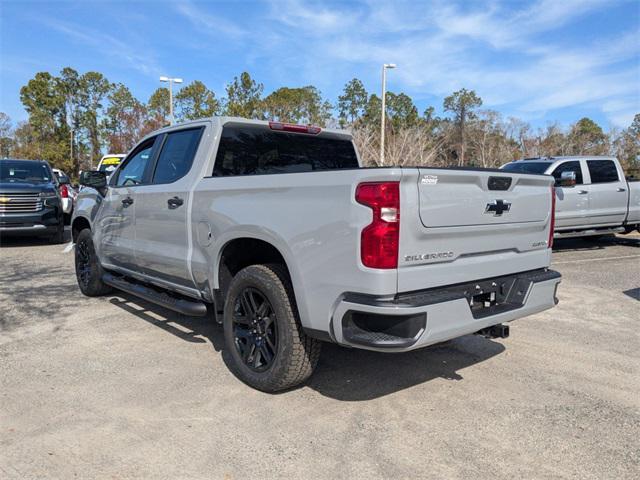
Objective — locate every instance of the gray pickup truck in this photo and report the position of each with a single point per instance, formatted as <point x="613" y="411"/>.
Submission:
<point x="593" y="197"/>
<point x="278" y="233"/>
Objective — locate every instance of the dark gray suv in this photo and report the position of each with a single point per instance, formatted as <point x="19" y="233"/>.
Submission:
<point x="30" y="201"/>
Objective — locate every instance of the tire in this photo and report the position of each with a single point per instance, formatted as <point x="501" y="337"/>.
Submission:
<point x="58" y="237"/>
<point x="88" y="269"/>
<point x="283" y="356"/>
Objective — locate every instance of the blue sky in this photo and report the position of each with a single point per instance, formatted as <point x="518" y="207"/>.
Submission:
<point x="542" y="61"/>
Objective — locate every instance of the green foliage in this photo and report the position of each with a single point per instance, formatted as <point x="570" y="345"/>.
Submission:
<point x="353" y="102"/>
<point x="372" y="112"/>
<point x="588" y="138"/>
<point x="401" y="111"/>
<point x="297" y="105"/>
<point x="108" y="118"/>
<point x="244" y="97"/>
<point x="196" y="101"/>
<point x="6" y="135"/>
<point x="462" y="105"/>
<point x="158" y="105"/>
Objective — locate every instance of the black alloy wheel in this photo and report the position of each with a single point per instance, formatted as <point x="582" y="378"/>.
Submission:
<point x="83" y="264"/>
<point x="255" y="330"/>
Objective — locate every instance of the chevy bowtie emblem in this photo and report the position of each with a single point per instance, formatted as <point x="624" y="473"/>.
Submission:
<point x="498" y="207"/>
<point x="5" y="199"/>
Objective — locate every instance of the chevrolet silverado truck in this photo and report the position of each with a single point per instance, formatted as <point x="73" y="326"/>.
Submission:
<point x="278" y="233"/>
<point x="593" y="197"/>
<point x="30" y="200"/>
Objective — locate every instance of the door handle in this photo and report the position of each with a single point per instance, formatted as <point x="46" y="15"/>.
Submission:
<point x="127" y="201"/>
<point x="620" y="189"/>
<point x="582" y="192"/>
<point x="175" y="202"/>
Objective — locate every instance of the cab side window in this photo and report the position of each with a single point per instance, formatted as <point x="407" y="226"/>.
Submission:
<point x="132" y="172"/>
<point x="602" y="171"/>
<point x="177" y="155"/>
<point x="573" y="166"/>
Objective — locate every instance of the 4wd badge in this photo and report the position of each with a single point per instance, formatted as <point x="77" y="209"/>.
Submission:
<point x="429" y="179"/>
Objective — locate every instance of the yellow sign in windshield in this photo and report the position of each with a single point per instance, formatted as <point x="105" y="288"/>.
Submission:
<point x="111" y="161"/>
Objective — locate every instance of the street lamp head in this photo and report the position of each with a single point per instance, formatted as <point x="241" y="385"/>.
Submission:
<point x="389" y="65"/>
<point x="164" y="79"/>
<point x="177" y="80"/>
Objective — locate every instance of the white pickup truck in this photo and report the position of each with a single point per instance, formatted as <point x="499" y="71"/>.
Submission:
<point x="593" y="197"/>
<point x="278" y="232"/>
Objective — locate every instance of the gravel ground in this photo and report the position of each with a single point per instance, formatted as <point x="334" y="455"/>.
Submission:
<point x="118" y="388"/>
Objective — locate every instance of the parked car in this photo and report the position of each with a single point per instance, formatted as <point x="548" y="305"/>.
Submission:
<point x="68" y="194"/>
<point x="108" y="163"/>
<point x="279" y="231"/>
<point x="593" y="197"/>
<point x="30" y="202"/>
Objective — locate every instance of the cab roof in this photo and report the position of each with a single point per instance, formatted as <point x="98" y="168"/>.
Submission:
<point x="569" y="157"/>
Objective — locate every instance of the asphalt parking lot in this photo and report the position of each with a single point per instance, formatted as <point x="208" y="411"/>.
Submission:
<point x="118" y="388"/>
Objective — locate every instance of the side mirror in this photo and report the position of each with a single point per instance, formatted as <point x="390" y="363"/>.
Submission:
<point x="93" y="179"/>
<point x="567" y="179"/>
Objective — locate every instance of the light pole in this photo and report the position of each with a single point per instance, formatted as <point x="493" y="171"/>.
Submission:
<point x="171" y="82"/>
<point x="384" y="103"/>
<point x="71" y="146"/>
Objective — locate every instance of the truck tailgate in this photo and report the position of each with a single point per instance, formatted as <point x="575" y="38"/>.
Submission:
<point x="464" y="225"/>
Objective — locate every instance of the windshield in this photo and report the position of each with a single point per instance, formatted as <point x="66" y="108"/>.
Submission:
<point x="526" y="167"/>
<point x="109" y="164"/>
<point x="16" y="171"/>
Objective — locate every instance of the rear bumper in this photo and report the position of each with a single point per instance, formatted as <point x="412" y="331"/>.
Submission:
<point x="417" y="319"/>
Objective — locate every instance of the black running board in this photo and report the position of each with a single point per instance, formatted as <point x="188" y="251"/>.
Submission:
<point x="181" y="305"/>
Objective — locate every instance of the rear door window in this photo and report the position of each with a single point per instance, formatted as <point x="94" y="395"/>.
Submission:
<point x="572" y="166"/>
<point x="525" y="166"/>
<point x="176" y="156"/>
<point x="257" y="150"/>
<point x="602" y="171"/>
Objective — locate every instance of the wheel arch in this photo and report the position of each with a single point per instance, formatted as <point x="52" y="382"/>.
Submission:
<point x="77" y="225"/>
<point x="244" y="250"/>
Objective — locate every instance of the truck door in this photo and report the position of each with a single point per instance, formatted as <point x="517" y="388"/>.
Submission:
<point x="115" y="238"/>
<point x="162" y="236"/>
<point x="572" y="203"/>
<point x="608" y="193"/>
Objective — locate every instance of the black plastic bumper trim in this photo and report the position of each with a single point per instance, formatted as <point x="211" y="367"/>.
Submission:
<point x="510" y="292"/>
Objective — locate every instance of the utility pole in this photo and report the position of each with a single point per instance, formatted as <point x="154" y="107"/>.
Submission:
<point x="171" y="82"/>
<point x="384" y="107"/>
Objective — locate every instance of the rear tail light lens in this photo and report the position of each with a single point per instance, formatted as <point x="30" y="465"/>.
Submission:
<point x="380" y="239"/>
<point x="64" y="191"/>
<point x="553" y="217"/>
<point x="289" y="127"/>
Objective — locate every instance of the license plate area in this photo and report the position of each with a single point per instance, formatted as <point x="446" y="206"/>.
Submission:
<point x="491" y="297"/>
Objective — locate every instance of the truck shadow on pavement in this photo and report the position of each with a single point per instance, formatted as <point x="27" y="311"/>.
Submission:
<point x="14" y="241"/>
<point x="576" y="244"/>
<point x="342" y="374"/>
<point x="355" y="375"/>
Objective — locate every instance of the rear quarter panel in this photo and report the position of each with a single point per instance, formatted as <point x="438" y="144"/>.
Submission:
<point x="634" y="202"/>
<point x="311" y="218"/>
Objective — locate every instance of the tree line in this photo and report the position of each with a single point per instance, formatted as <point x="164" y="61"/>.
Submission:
<point x="74" y="118"/>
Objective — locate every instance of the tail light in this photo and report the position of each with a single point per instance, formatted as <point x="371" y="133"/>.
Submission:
<point x="64" y="191"/>
<point x="289" y="127"/>
<point x="380" y="239"/>
<point x="552" y="225"/>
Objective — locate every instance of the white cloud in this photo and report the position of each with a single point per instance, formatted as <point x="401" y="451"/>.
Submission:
<point x="211" y="24"/>
<point x="139" y="58"/>
<point x="515" y="58"/>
